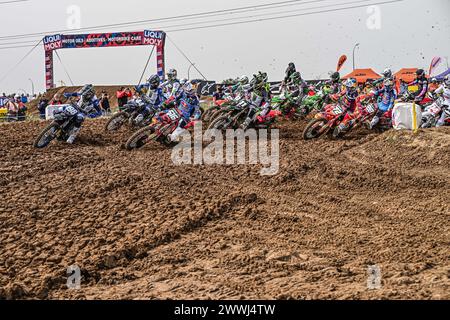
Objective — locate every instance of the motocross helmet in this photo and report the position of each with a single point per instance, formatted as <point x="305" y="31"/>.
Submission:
<point x="87" y="92"/>
<point x="258" y="82"/>
<point x="244" y="80"/>
<point x="420" y="73"/>
<point x="447" y="81"/>
<point x="183" y="81"/>
<point x="351" y="85"/>
<point x="387" y="73"/>
<point x="189" y="88"/>
<point x="264" y="76"/>
<point x="154" y="82"/>
<point x="291" y="68"/>
<point x="336" y="77"/>
<point x="172" y="74"/>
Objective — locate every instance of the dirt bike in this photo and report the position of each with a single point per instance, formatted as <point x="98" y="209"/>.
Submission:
<point x="220" y="109"/>
<point x="360" y="117"/>
<point x="130" y="115"/>
<point x="432" y="114"/>
<point x="288" y="106"/>
<point x="231" y="117"/>
<point x="60" y="129"/>
<point x="263" y="122"/>
<point x="166" y="123"/>
<point x="325" y="121"/>
<point x="314" y="103"/>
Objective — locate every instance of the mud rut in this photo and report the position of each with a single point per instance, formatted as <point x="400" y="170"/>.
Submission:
<point x="140" y="227"/>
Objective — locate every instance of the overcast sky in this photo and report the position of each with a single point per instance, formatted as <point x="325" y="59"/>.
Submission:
<point x="412" y="32"/>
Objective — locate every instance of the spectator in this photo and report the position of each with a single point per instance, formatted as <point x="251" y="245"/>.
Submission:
<point x="56" y="100"/>
<point x="122" y="96"/>
<point x="42" y="106"/>
<point x="3" y="100"/>
<point x="13" y="108"/>
<point x="104" y="103"/>
<point x="21" y="109"/>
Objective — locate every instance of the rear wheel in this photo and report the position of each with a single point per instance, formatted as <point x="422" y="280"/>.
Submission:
<point x="216" y="114"/>
<point x="140" y="138"/>
<point x="314" y="129"/>
<point x="116" y="122"/>
<point x="46" y="136"/>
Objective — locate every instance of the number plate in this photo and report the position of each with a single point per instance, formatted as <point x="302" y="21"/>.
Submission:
<point x="337" y="110"/>
<point x="370" y="108"/>
<point x="242" y="104"/>
<point x="71" y="111"/>
<point x="435" y="110"/>
<point x="173" y="115"/>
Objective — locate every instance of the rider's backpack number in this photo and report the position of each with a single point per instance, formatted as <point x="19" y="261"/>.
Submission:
<point x="173" y="115"/>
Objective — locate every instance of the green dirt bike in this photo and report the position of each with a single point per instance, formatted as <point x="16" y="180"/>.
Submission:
<point x="288" y="105"/>
<point x="231" y="117"/>
<point x="216" y="111"/>
<point x="315" y="103"/>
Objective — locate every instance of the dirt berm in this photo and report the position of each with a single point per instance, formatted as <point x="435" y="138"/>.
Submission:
<point x="140" y="227"/>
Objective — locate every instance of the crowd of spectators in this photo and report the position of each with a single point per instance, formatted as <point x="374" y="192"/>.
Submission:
<point x="13" y="106"/>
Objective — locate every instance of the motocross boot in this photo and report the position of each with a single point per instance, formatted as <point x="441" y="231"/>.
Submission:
<point x="139" y="119"/>
<point x="73" y="135"/>
<point x="176" y="134"/>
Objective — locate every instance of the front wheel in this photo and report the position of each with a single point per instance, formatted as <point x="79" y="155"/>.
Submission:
<point x="140" y="138"/>
<point x="116" y="122"/>
<point x="221" y="123"/>
<point x="46" y="136"/>
<point x="315" y="129"/>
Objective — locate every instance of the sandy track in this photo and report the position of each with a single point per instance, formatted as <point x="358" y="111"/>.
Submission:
<point x="140" y="227"/>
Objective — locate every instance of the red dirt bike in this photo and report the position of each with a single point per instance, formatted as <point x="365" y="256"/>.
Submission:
<point x="165" y="123"/>
<point x="366" y="109"/>
<point x="325" y="121"/>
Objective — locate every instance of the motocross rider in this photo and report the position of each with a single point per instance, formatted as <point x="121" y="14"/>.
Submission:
<point x="260" y="98"/>
<point x="422" y="82"/>
<point x="189" y="108"/>
<point x="335" y="83"/>
<point x="172" y="88"/>
<point x="241" y="87"/>
<point x="386" y="98"/>
<point x="348" y="98"/>
<point x="289" y="72"/>
<point x="153" y="98"/>
<point x="88" y="104"/>
<point x="444" y="89"/>
<point x="387" y="75"/>
<point x="297" y="87"/>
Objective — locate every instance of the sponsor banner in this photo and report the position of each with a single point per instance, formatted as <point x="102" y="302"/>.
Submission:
<point x="53" y="42"/>
<point x="154" y="38"/>
<point x="49" y="81"/>
<point x="94" y="40"/>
